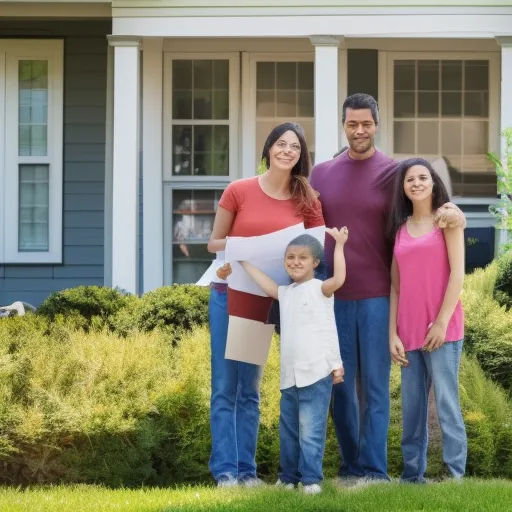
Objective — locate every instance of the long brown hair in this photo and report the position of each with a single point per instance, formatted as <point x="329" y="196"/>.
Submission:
<point x="303" y="195"/>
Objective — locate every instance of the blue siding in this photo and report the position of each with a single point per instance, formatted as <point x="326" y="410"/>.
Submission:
<point x="85" y="78"/>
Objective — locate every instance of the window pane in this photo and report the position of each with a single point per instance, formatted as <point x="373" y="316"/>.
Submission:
<point x="403" y="133"/>
<point x="33" y="107"/>
<point x="451" y="137"/>
<point x="203" y="74"/>
<point x="306" y="76"/>
<point x="182" y="150"/>
<point x="404" y="104"/>
<point x="451" y="104"/>
<point x="404" y="75"/>
<point x="286" y="75"/>
<point x="476" y="104"/>
<point x="451" y="75"/>
<point x="182" y="105"/>
<point x="34" y="186"/>
<point x="193" y="215"/>
<point x="286" y="103"/>
<point x="306" y="104"/>
<point x="182" y="74"/>
<point x="428" y="104"/>
<point x="476" y="75"/>
<point x="265" y="103"/>
<point x="221" y="74"/>
<point x="428" y="138"/>
<point x="428" y="75"/>
<point x="476" y="137"/>
<point x="221" y="105"/>
<point x="202" y="104"/>
<point x="265" y="75"/>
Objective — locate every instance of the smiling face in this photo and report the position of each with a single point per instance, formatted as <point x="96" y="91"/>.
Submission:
<point x="418" y="184"/>
<point x="360" y="129"/>
<point x="299" y="263"/>
<point x="285" y="152"/>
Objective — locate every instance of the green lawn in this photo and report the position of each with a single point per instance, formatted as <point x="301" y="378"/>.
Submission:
<point x="471" y="495"/>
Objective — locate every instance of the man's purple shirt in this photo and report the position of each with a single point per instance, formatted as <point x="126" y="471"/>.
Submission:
<point x="357" y="194"/>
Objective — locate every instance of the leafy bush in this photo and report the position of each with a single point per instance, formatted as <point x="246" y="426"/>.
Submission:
<point x="488" y="333"/>
<point x="503" y="286"/>
<point x="96" y="304"/>
<point x="174" y="308"/>
<point x="98" y="408"/>
<point x="482" y="280"/>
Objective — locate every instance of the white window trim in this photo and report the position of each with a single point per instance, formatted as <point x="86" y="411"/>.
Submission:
<point x="234" y="94"/>
<point x="249" y="113"/>
<point x="15" y="50"/>
<point x="494" y="94"/>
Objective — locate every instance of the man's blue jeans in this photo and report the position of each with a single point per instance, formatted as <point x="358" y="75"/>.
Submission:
<point x="302" y="431"/>
<point x="362" y="422"/>
<point x="234" y="414"/>
<point x="441" y="368"/>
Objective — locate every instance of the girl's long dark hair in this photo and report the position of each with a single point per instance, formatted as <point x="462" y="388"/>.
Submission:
<point x="401" y="205"/>
<point x="303" y="195"/>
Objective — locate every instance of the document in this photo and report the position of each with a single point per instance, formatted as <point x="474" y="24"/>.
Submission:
<point x="211" y="272"/>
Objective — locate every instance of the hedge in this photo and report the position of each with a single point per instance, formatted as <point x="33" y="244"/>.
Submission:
<point x="94" y="407"/>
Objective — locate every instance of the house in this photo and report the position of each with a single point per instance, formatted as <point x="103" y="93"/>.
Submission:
<point x="123" y="120"/>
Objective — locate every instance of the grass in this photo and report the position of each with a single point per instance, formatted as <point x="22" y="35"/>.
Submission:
<point x="470" y="495"/>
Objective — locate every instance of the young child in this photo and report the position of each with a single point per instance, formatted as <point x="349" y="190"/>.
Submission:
<point x="426" y="326"/>
<point x="310" y="356"/>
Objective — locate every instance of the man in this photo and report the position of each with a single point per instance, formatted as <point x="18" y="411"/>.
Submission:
<point x="355" y="191"/>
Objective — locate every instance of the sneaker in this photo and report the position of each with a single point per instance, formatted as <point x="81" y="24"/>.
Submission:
<point x="253" y="482"/>
<point x="312" y="489"/>
<point x="349" y="481"/>
<point x="227" y="481"/>
<point x="283" y="485"/>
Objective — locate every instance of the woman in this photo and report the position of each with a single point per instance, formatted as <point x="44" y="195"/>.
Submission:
<point x="279" y="198"/>
<point x="426" y="326"/>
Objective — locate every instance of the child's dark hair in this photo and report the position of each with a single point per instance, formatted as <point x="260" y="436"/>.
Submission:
<point x="305" y="240"/>
<point x="401" y="205"/>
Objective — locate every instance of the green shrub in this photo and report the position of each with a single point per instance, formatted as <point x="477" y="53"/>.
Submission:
<point x="174" y="308"/>
<point x="482" y="280"/>
<point x="96" y="304"/>
<point x="503" y="286"/>
<point x="488" y="334"/>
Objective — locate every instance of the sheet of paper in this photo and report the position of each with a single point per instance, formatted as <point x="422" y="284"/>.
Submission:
<point x="239" y="279"/>
<point x="211" y="272"/>
<point x="248" y="341"/>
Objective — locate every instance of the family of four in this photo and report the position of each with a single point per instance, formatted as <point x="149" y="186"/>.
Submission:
<point x="394" y="253"/>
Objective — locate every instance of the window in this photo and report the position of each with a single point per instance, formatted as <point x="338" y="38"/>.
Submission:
<point x="200" y="155"/>
<point x="284" y="92"/>
<point x="31" y="168"/>
<point x="443" y="108"/>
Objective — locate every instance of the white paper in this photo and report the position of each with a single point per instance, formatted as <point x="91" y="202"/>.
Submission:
<point x="265" y="252"/>
<point x="248" y="340"/>
<point x="211" y="272"/>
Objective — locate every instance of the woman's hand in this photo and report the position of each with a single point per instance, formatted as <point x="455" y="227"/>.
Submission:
<point x="224" y="271"/>
<point x="396" y="347"/>
<point x="435" y="337"/>
<point x="337" y="375"/>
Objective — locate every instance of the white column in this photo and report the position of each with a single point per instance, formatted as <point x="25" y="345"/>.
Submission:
<point x="152" y="109"/>
<point x="125" y="160"/>
<point x="326" y="97"/>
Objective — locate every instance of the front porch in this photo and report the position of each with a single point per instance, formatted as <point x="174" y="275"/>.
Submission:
<point x="197" y="110"/>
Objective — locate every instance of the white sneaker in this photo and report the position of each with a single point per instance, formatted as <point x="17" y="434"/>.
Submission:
<point x="288" y="486"/>
<point x="312" y="489"/>
<point x="226" y="481"/>
<point x="252" y="483"/>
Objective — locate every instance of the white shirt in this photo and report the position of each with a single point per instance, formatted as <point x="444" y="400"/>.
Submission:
<point x="309" y="339"/>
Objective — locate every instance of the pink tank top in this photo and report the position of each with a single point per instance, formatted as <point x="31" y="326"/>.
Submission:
<point x="424" y="272"/>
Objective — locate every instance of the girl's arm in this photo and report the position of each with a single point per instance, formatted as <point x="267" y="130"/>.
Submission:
<point x="329" y="286"/>
<point x="454" y="238"/>
<point x="396" y="346"/>
<point x="261" y="279"/>
<point x="221" y="229"/>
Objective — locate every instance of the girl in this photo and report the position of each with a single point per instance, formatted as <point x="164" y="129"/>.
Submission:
<point x="310" y="356"/>
<point x="277" y="199"/>
<point x="426" y="326"/>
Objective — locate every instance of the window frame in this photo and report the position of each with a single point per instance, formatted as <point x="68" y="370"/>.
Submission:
<point x="250" y="118"/>
<point x="11" y="52"/>
<point x="234" y="95"/>
<point x="494" y="95"/>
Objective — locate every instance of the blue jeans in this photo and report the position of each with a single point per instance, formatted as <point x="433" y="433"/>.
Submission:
<point x="441" y="368"/>
<point x="362" y="422"/>
<point x="235" y="398"/>
<point x="302" y="431"/>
